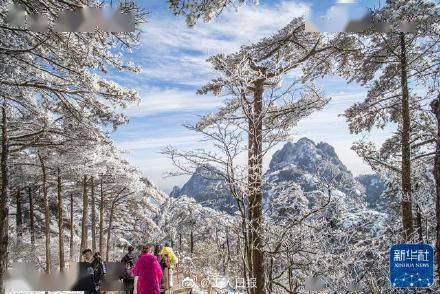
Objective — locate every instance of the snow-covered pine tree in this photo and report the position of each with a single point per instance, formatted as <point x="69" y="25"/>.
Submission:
<point x="435" y="108"/>
<point x="265" y="109"/>
<point x="48" y="74"/>
<point x="389" y="63"/>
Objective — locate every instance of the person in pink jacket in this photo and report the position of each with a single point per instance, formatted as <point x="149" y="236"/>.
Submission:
<point x="147" y="273"/>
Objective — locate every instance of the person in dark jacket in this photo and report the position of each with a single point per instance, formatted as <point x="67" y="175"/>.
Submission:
<point x="130" y="256"/>
<point x="165" y="265"/>
<point x="91" y="274"/>
<point x="127" y="277"/>
<point x="97" y="255"/>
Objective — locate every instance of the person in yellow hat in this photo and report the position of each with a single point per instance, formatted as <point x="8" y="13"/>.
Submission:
<point x="168" y="251"/>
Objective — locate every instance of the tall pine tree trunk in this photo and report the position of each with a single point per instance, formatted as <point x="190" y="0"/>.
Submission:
<point x="92" y="194"/>
<point x="46" y="213"/>
<point x="84" y="221"/>
<point x="109" y="232"/>
<point x="270" y="277"/>
<point x="31" y="216"/>
<point x="71" y="228"/>
<point x="419" y="223"/>
<point x="228" y="246"/>
<point x="19" y="216"/>
<point x="4" y="209"/>
<point x="101" y="218"/>
<point x="238" y="247"/>
<point x="407" y="215"/>
<point x="435" y="105"/>
<point x="60" y="222"/>
<point x="191" y="241"/>
<point x="256" y="193"/>
<point x="249" y="248"/>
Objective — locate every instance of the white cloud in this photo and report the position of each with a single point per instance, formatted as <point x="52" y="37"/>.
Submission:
<point x="346" y="1"/>
<point x="143" y="143"/>
<point x="224" y="34"/>
<point x="157" y="100"/>
<point x="175" y="55"/>
<point x="172" y="52"/>
<point x="336" y="18"/>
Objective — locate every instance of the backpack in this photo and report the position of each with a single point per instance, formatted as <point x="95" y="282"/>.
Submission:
<point x="164" y="261"/>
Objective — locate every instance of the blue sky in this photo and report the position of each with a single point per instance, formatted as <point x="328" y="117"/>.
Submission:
<point x="173" y="60"/>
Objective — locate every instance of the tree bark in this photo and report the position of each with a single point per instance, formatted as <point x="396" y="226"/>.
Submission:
<point x="419" y="224"/>
<point x="4" y="210"/>
<point x="238" y="247"/>
<point x="31" y="216"/>
<point x="249" y="248"/>
<point x="256" y="191"/>
<point x="60" y="222"/>
<point x="19" y="216"/>
<point x="435" y="106"/>
<point x="290" y="278"/>
<point x="46" y="213"/>
<point x="101" y="219"/>
<point x="228" y="248"/>
<point x="407" y="214"/>
<point x="92" y="194"/>
<point x="71" y="228"/>
<point x="110" y="227"/>
<point x="191" y="241"/>
<point x="84" y="221"/>
<point x="270" y="277"/>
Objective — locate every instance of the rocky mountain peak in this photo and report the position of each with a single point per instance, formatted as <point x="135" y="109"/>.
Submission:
<point x="307" y="155"/>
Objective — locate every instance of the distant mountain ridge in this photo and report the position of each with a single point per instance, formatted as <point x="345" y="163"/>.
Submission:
<point x="309" y="165"/>
<point x="208" y="189"/>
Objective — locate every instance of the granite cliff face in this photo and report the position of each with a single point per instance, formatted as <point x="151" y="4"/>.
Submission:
<point x="208" y="189"/>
